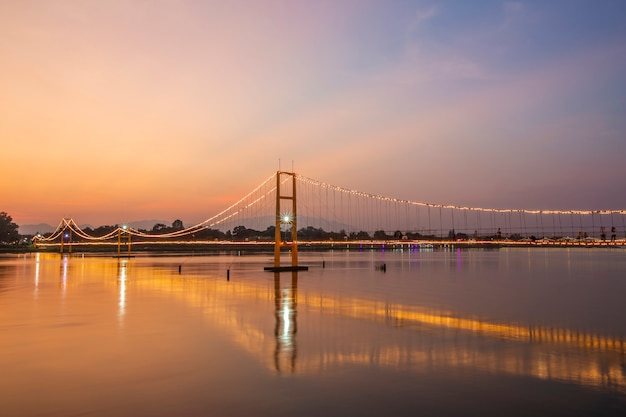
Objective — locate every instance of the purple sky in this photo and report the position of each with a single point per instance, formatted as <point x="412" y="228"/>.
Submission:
<point x="115" y="111"/>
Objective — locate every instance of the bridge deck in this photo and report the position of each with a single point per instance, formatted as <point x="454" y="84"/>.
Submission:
<point x="327" y="245"/>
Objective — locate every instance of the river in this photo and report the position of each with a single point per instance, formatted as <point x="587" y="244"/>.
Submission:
<point x="510" y="331"/>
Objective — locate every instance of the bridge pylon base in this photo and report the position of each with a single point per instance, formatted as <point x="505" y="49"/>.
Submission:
<point x="285" y="268"/>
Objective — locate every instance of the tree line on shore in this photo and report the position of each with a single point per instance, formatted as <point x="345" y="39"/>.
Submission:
<point x="8" y="230"/>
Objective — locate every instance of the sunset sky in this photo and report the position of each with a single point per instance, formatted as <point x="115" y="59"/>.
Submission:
<point x="114" y="111"/>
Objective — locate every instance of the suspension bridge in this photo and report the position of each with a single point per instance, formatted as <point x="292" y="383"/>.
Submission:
<point x="322" y="214"/>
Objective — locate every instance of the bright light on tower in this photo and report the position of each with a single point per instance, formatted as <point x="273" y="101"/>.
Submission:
<point x="285" y="218"/>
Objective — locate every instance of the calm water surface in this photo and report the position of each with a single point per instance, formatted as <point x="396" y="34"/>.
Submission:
<point x="456" y="332"/>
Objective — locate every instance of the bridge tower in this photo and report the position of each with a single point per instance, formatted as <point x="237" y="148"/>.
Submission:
<point x="283" y="217"/>
<point x="123" y="238"/>
<point x="66" y="234"/>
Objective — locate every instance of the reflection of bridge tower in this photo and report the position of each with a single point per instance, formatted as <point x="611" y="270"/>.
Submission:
<point x="122" y="267"/>
<point x="285" y="217"/>
<point x="286" y="300"/>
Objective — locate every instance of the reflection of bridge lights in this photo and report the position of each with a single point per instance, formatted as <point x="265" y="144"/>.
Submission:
<point x="285" y="331"/>
<point x="596" y="362"/>
<point x="36" y="273"/>
<point x="64" y="274"/>
<point x="122" y="280"/>
<point x="124" y="226"/>
<point x="287" y="311"/>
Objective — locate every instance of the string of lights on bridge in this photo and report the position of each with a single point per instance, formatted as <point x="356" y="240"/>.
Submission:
<point x="445" y="206"/>
<point x="71" y="225"/>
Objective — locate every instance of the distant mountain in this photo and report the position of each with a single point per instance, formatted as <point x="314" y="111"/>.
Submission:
<point x="33" y="229"/>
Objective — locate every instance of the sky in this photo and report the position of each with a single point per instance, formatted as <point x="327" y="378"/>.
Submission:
<point x="117" y="111"/>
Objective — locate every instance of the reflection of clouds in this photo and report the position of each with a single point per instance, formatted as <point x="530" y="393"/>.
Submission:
<point x="444" y="339"/>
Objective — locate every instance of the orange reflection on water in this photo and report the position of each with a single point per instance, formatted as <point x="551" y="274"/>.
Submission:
<point x="266" y="321"/>
<point x="542" y="352"/>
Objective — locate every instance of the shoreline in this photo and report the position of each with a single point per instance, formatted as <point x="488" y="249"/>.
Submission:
<point x="268" y="246"/>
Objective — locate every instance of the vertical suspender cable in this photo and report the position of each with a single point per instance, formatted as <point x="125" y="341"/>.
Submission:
<point x="440" y="222"/>
<point x="453" y="228"/>
<point x="593" y="225"/>
<point x="580" y="218"/>
<point x="429" y="224"/>
<point x="537" y="224"/>
<point x="466" y="228"/>
<point x="601" y="225"/>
